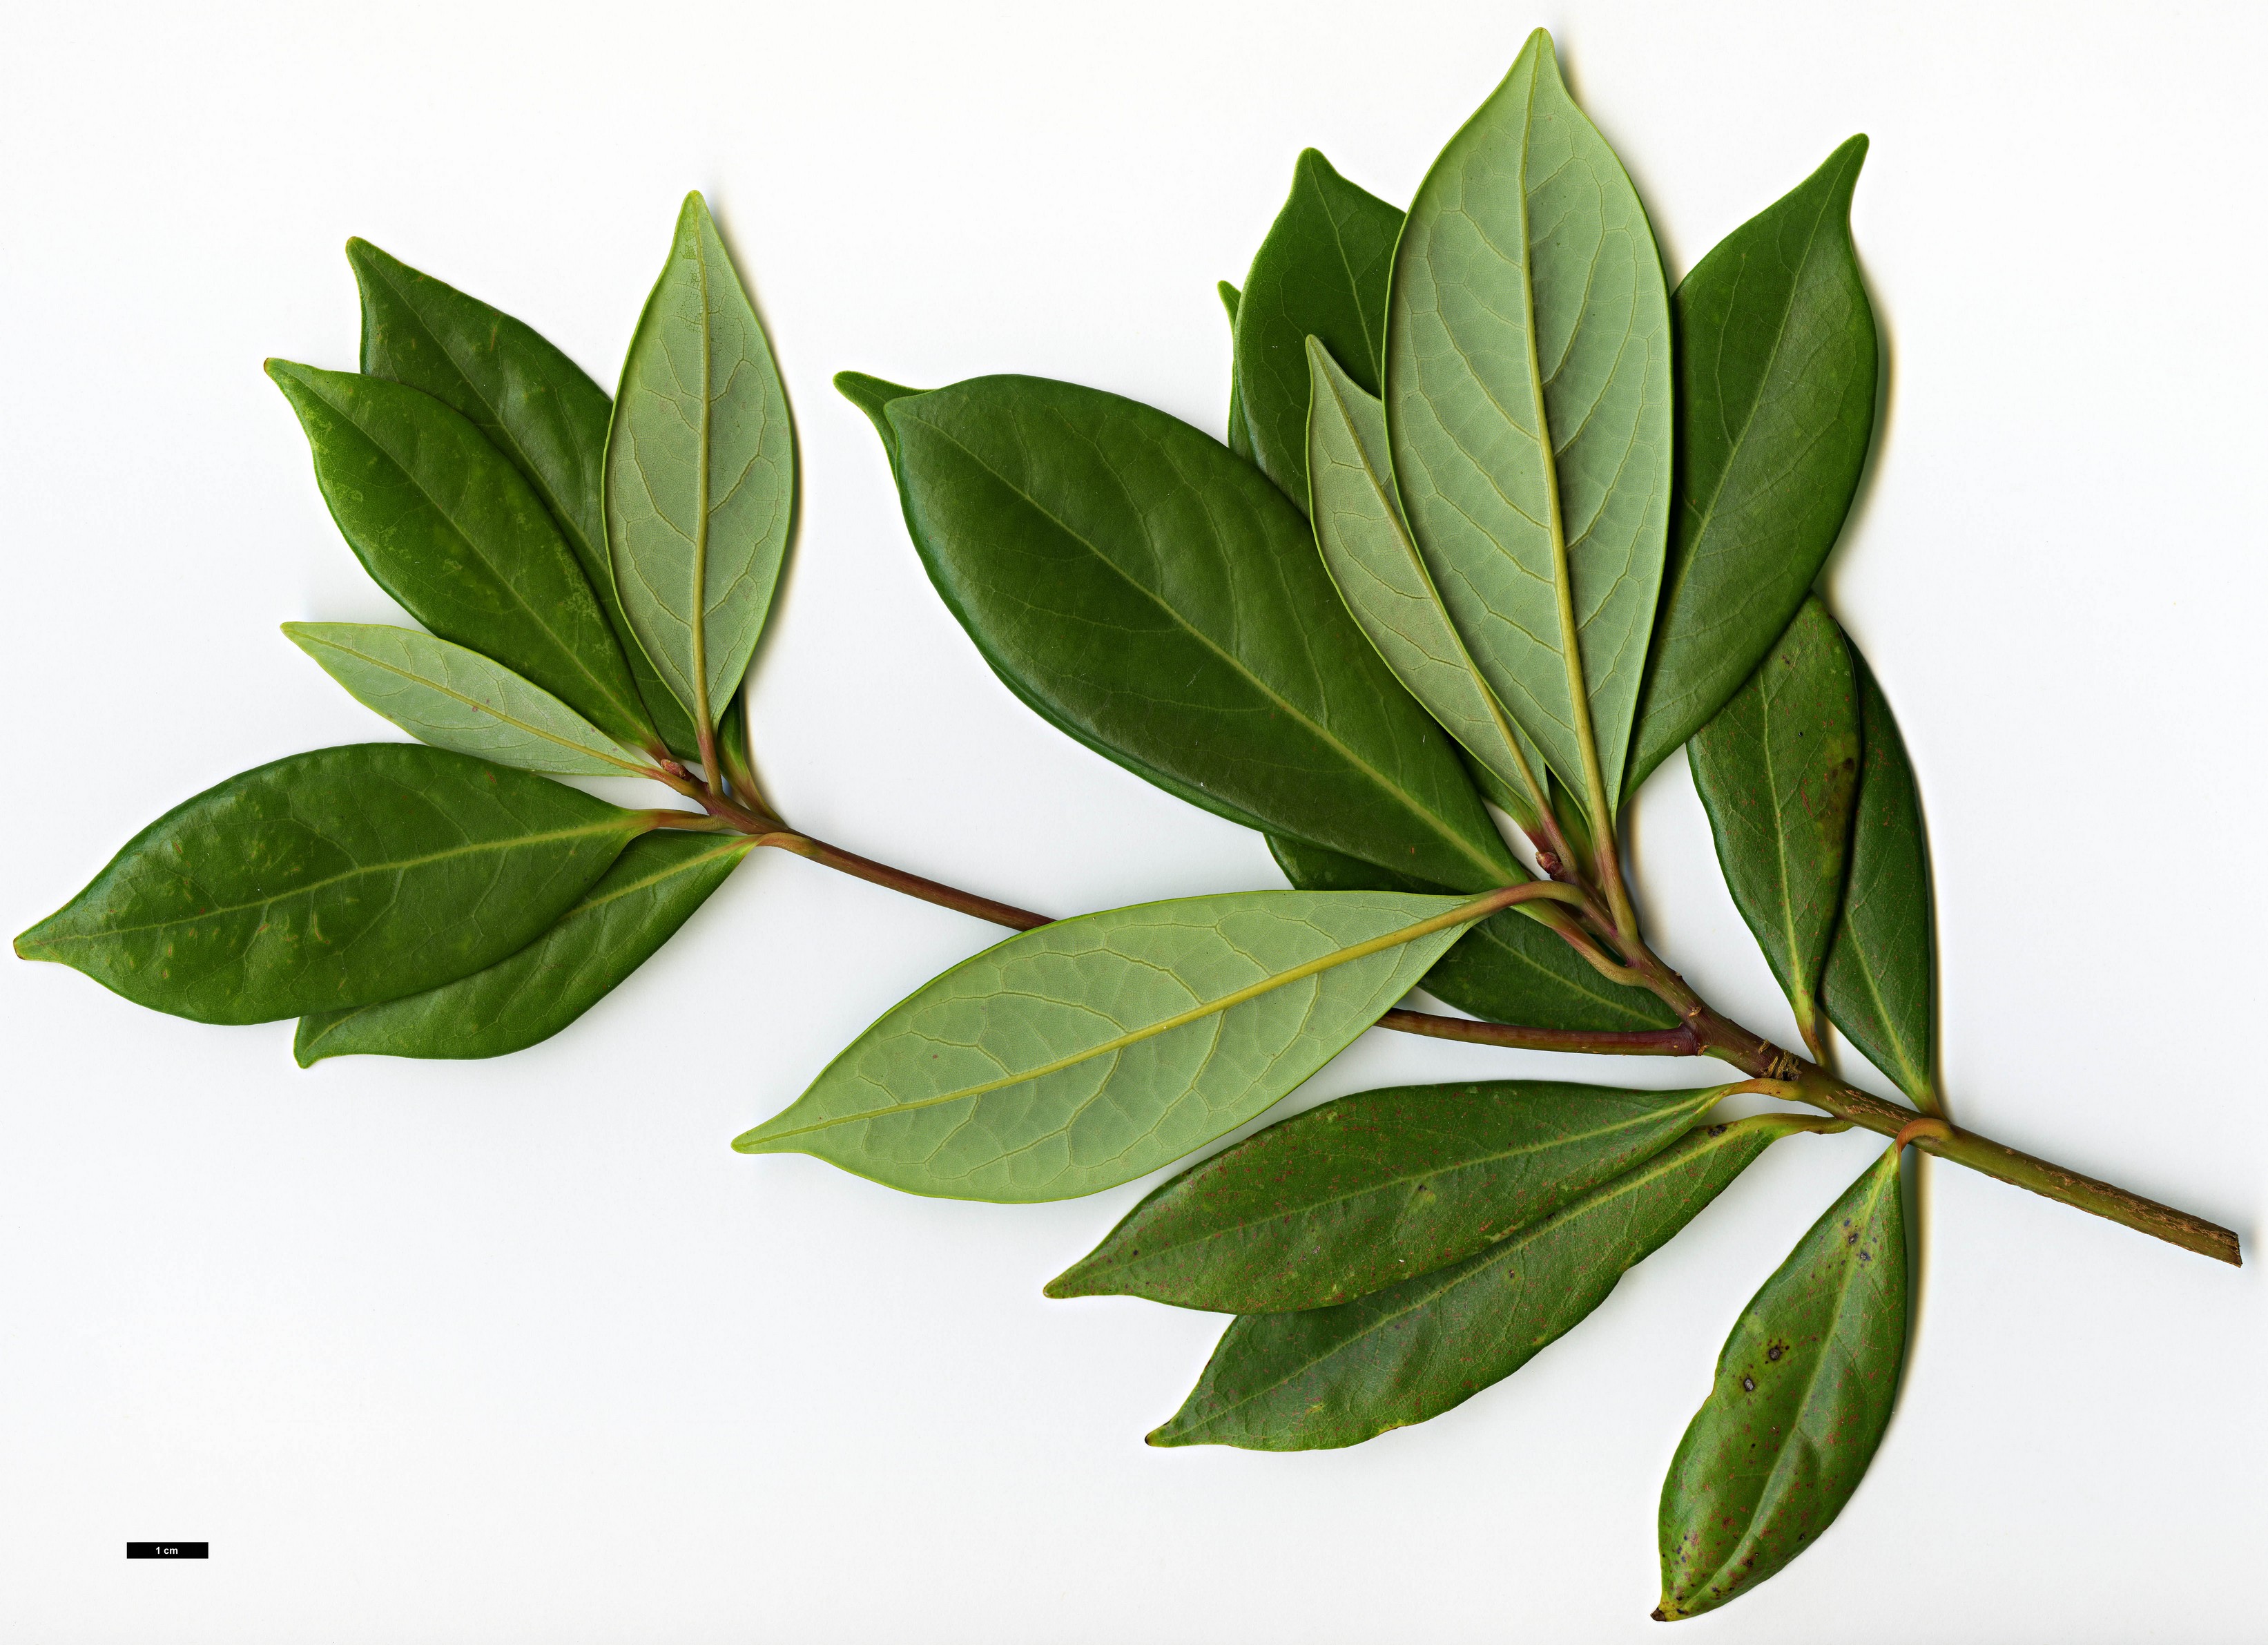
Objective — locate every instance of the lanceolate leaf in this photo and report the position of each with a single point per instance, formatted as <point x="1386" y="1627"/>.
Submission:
<point x="333" y="879"/>
<point x="700" y="472"/>
<point x="1240" y="430"/>
<point x="534" y="403"/>
<point x="1322" y="272"/>
<point x="1158" y="600"/>
<point x="1365" y="545"/>
<point x="1881" y="985"/>
<point x="1803" y="1392"/>
<point x="1776" y="365"/>
<point x="448" y="527"/>
<point x="1777" y="771"/>
<point x="1086" y="1052"/>
<point x="1351" y="1197"/>
<point x="455" y="698"/>
<point x="1333" y="1376"/>
<point x="1528" y="406"/>
<point x="636" y="906"/>
<point x="1509" y="968"/>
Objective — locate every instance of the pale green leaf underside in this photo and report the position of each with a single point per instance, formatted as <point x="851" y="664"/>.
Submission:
<point x="1366" y="545"/>
<point x="700" y="474"/>
<point x="1087" y="1053"/>
<point x="1527" y="402"/>
<point x="456" y="699"/>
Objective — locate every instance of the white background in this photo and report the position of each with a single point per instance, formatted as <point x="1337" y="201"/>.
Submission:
<point x="519" y="1351"/>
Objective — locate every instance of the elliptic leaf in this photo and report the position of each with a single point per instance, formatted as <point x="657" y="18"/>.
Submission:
<point x="1240" y="430"/>
<point x="700" y="472"/>
<point x="636" y="906"/>
<point x="1777" y="771"/>
<point x="534" y="404"/>
<point x="1803" y="1392"/>
<point x="448" y="527"/>
<point x="1333" y="1376"/>
<point x="1776" y="367"/>
<point x="1158" y="600"/>
<point x="1509" y="968"/>
<point x="456" y="699"/>
<point x="1881" y="985"/>
<point x="333" y="879"/>
<point x="1349" y="1198"/>
<point x="1082" y="1054"/>
<point x="1322" y="272"/>
<point x="1528" y="407"/>
<point x="1365" y="545"/>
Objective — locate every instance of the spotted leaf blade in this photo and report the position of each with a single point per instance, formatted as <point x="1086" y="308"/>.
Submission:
<point x="1778" y="771"/>
<point x="1373" y="1188"/>
<point x="1332" y="1376"/>
<point x="1803" y="1393"/>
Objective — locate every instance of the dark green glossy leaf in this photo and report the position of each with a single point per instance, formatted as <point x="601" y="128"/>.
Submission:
<point x="1528" y="407"/>
<point x="1372" y="1188"/>
<point x="1333" y="1376"/>
<point x="651" y="890"/>
<point x="1368" y="549"/>
<point x="1086" y="1052"/>
<point x="534" y="403"/>
<point x="700" y="472"/>
<point x="456" y="699"/>
<point x="1881" y="985"/>
<point x="1511" y="968"/>
<point x="333" y="879"/>
<point x="1776" y="364"/>
<point x="1322" y="272"/>
<point x="1804" y="1389"/>
<point x="1158" y="600"/>
<point x="448" y="526"/>
<point x="1777" y="771"/>
<point x="1239" y="430"/>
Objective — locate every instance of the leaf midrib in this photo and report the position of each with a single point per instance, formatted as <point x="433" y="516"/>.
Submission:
<point x="360" y="871"/>
<point x="1322" y="733"/>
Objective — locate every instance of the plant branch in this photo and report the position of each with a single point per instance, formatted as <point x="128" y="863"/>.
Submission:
<point x="1677" y="1042"/>
<point x="1703" y="1032"/>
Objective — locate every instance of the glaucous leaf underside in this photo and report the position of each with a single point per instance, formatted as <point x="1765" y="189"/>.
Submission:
<point x="1084" y="1053"/>
<point x="700" y="472"/>
<point x="1527" y="407"/>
